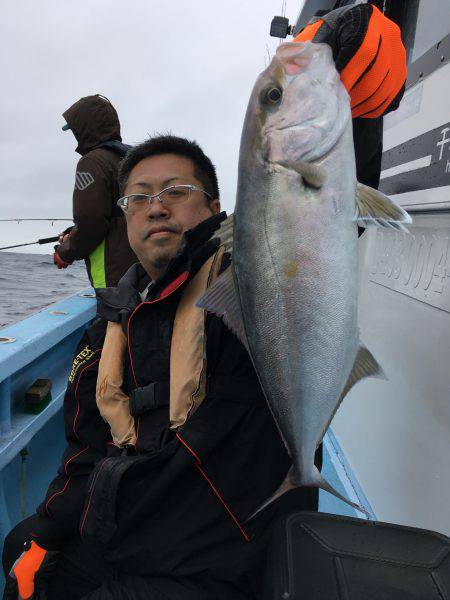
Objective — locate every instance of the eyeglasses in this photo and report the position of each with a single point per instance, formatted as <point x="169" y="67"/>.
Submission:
<point x="175" y="194"/>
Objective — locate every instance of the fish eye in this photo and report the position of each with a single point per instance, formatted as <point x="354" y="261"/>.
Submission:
<point x="273" y="95"/>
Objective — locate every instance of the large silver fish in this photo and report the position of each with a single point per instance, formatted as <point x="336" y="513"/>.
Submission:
<point x="291" y="291"/>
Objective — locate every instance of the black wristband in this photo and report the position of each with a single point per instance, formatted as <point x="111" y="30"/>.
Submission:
<point x="350" y="33"/>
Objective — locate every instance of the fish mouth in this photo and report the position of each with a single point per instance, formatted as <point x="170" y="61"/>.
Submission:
<point x="300" y="126"/>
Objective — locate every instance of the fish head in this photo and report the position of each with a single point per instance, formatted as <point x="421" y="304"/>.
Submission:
<point x="298" y="108"/>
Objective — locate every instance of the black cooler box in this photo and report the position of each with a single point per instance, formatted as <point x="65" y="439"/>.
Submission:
<point x="316" y="556"/>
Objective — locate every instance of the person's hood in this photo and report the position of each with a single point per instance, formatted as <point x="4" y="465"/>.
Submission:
<point x="93" y="120"/>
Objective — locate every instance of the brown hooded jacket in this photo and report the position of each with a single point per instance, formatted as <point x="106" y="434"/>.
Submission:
<point x="99" y="235"/>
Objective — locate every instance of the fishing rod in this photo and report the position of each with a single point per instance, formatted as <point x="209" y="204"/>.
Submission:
<point x="41" y="241"/>
<point x="19" y="220"/>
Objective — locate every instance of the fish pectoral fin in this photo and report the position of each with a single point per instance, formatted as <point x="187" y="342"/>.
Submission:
<point x="225" y="234"/>
<point x="312" y="175"/>
<point x="365" y="365"/>
<point x="375" y="208"/>
<point x="222" y="300"/>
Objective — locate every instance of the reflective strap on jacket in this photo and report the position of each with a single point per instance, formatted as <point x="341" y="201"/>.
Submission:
<point x="97" y="266"/>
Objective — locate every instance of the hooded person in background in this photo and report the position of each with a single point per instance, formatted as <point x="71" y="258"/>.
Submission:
<point x="99" y="235"/>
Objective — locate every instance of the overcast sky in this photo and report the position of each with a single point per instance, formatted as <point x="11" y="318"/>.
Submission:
<point x="166" y="65"/>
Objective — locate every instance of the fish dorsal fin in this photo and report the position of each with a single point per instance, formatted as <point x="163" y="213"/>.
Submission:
<point x="225" y="233"/>
<point x="365" y="365"/>
<point x="375" y="208"/>
<point x="222" y="300"/>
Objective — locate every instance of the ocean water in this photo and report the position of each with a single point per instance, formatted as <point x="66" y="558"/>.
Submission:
<point x="29" y="282"/>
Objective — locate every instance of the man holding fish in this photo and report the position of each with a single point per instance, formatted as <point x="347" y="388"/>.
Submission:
<point x="172" y="449"/>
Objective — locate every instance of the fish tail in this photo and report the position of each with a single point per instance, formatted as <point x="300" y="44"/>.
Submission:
<point x="315" y="479"/>
<point x="288" y="484"/>
<point x="323" y="484"/>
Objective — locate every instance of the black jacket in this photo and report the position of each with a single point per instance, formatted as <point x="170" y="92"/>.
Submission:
<point x="368" y="141"/>
<point x="177" y="503"/>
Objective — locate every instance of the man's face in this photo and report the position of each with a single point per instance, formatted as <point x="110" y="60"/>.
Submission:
<point x="155" y="233"/>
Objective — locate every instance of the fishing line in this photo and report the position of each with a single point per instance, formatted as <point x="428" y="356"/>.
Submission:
<point x="283" y="14"/>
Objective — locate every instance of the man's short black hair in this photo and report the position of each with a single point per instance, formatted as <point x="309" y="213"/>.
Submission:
<point x="204" y="169"/>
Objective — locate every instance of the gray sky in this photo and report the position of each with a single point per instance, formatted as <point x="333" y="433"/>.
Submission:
<point x="166" y="65"/>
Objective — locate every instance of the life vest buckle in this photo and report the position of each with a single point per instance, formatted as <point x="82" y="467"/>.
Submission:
<point x="152" y="396"/>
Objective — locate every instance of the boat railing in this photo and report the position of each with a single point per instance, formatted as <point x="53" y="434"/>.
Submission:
<point x="39" y="347"/>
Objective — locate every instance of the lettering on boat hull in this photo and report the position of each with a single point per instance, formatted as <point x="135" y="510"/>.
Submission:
<point x="416" y="264"/>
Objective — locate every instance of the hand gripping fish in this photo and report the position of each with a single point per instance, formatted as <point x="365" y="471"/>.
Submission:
<point x="290" y="293"/>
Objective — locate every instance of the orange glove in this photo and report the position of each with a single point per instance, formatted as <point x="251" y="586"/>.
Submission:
<point x="369" y="54"/>
<point x="59" y="262"/>
<point x="26" y="570"/>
